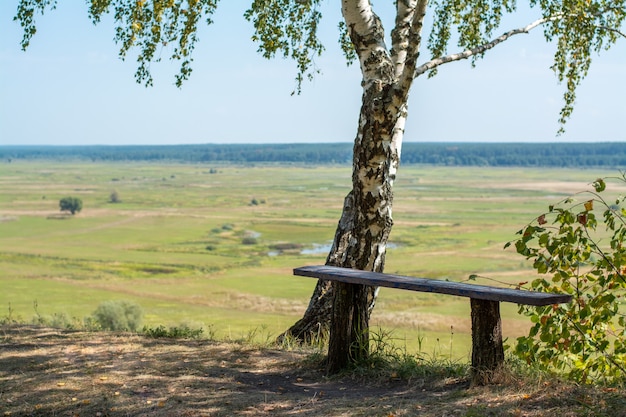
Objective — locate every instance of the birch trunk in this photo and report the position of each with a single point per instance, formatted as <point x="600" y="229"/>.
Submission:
<point x="360" y="242"/>
<point x="363" y="230"/>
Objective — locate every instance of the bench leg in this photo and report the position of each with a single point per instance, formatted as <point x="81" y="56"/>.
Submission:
<point x="487" y="348"/>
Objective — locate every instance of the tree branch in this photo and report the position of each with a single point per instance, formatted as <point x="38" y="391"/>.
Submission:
<point x="414" y="44"/>
<point x="368" y="37"/>
<point x="610" y="29"/>
<point x="434" y="63"/>
<point x="400" y="34"/>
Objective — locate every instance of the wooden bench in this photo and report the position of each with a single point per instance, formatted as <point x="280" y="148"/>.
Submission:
<point x="487" y="347"/>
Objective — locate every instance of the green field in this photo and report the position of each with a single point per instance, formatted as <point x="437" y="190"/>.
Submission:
<point x="214" y="246"/>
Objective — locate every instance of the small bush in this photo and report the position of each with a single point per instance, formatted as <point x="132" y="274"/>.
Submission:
<point x="577" y="248"/>
<point x="256" y="202"/>
<point x="286" y="246"/>
<point x="114" y="197"/>
<point x="182" y="332"/>
<point x="118" y="316"/>
<point x="57" y="320"/>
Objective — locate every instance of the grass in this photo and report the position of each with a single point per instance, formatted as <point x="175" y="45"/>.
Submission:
<point x="175" y="242"/>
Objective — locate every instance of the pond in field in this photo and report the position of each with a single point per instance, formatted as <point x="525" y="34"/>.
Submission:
<point x="320" y="248"/>
<point x="317" y="249"/>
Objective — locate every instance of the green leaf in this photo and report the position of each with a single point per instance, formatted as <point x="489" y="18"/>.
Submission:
<point x="546" y="337"/>
<point x="599" y="185"/>
<point x="541" y="266"/>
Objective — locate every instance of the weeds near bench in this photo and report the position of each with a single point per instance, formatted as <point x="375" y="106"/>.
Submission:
<point x="579" y="245"/>
<point x="173" y="332"/>
<point x="388" y="361"/>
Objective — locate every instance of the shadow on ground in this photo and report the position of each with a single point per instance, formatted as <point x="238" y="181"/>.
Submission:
<point x="48" y="372"/>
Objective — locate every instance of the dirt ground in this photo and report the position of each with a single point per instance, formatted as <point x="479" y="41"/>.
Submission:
<point x="49" y="372"/>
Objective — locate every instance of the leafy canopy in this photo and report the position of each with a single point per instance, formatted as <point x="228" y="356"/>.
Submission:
<point x="149" y="26"/>
<point x="289" y="28"/>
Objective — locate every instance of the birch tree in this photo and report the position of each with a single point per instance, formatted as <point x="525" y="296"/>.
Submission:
<point x="389" y="65"/>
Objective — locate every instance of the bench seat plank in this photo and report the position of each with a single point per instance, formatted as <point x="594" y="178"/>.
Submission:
<point x="475" y="291"/>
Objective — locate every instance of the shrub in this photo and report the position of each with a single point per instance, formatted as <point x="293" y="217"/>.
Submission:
<point x="586" y="338"/>
<point x="114" y="197"/>
<point x="118" y="316"/>
<point x="181" y="332"/>
<point x="286" y="246"/>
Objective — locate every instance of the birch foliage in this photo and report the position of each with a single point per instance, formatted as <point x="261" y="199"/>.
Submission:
<point x="289" y="28"/>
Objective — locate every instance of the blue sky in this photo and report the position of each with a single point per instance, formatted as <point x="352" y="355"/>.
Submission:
<point x="70" y="88"/>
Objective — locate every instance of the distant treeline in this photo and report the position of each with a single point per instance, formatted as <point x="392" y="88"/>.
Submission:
<point x="609" y="154"/>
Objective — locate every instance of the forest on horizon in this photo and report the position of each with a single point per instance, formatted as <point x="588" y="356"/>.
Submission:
<point x="554" y="154"/>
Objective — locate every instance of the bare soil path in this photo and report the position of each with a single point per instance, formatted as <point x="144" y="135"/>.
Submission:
<point x="48" y="372"/>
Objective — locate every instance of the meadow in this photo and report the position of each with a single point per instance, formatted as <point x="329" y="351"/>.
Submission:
<point x="213" y="246"/>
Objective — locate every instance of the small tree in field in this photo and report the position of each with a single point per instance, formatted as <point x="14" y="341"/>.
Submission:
<point x="71" y="204"/>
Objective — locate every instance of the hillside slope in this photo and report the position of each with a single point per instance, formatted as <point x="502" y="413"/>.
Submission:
<point x="48" y="372"/>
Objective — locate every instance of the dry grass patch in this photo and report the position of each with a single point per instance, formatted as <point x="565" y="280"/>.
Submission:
<point x="47" y="372"/>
